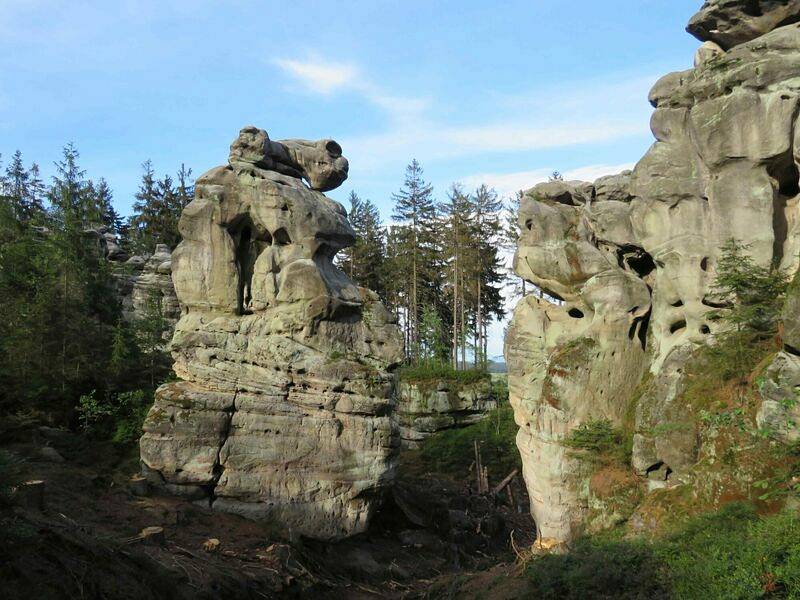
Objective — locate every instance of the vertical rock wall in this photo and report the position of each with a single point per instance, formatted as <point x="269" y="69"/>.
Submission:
<point x="630" y="260"/>
<point x="283" y="408"/>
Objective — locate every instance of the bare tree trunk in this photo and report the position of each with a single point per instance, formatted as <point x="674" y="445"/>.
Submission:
<point x="455" y="302"/>
<point x="463" y="325"/>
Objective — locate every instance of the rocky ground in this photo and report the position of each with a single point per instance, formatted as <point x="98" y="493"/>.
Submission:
<point x="434" y="537"/>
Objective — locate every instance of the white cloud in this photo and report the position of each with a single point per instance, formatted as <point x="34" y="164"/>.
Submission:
<point x="318" y="76"/>
<point x="508" y="184"/>
<point x="326" y="78"/>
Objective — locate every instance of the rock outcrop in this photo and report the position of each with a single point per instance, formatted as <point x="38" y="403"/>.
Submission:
<point x="145" y="287"/>
<point x="631" y="262"/>
<point x="283" y="408"/>
<point x="425" y="407"/>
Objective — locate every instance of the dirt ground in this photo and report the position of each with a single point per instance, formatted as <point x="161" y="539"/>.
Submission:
<point x="434" y="538"/>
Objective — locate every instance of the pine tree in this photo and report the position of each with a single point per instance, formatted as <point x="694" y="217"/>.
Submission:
<point x="158" y="208"/>
<point x="23" y="188"/>
<point x="459" y="249"/>
<point x="488" y="280"/>
<point x="415" y="210"/>
<point x="364" y="261"/>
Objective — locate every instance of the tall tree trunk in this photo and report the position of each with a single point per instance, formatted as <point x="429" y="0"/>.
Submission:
<point x="455" y="304"/>
<point x="463" y="324"/>
<point x="479" y="329"/>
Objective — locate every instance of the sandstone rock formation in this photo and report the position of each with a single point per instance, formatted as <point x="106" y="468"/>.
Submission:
<point x="423" y="408"/>
<point x="145" y="285"/>
<point x="283" y="406"/>
<point x="631" y="262"/>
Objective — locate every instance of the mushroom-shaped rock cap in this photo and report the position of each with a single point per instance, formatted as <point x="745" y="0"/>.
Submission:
<point x="319" y="162"/>
<point x="733" y="22"/>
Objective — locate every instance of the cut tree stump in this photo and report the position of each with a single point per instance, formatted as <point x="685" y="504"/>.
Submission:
<point x="31" y="495"/>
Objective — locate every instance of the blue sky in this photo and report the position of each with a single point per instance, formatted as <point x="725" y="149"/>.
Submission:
<point x="477" y="91"/>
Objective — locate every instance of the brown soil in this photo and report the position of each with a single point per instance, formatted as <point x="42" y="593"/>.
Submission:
<point x="433" y="537"/>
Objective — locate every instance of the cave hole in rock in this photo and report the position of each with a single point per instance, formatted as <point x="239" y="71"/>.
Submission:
<point x="638" y="329"/>
<point x="704" y="264"/>
<point x="659" y="471"/>
<point x="752" y="8"/>
<point x="635" y="259"/>
<point x="791" y="350"/>
<point x="705" y="329"/>
<point x="677" y="303"/>
<point x="715" y="304"/>
<point x="281" y="237"/>
<point x="575" y="313"/>
<point x="786" y="181"/>
<point x="248" y="244"/>
<point x="677" y="326"/>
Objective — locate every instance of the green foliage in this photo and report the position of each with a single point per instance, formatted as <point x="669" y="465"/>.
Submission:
<point x="157" y="209"/>
<point x="435" y="371"/>
<point x="600" y="440"/>
<point x="451" y="452"/>
<point x="753" y="295"/>
<point x="365" y="260"/>
<point x="732" y="553"/>
<point x="58" y="304"/>
<point x="61" y="329"/>
<point x="599" y="568"/>
<point x="432" y="346"/>
<point x="117" y="417"/>
<point x="750" y="299"/>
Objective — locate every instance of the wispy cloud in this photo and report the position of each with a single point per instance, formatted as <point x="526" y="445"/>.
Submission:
<point x="325" y="77"/>
<point x="561" y="116"/>
<point x="508" y="184"/>
<point x="318" y="76"/>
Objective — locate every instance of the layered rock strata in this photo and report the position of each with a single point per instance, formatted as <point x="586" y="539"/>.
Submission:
<point x="423" y="408"/>
<point x="145" y="287"/>
<point x="631" y="263"/>
<point x="283" y="408"/>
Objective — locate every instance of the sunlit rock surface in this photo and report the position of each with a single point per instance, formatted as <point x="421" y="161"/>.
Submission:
<point x="629" y="261"/>
<point x="283" y="408"/>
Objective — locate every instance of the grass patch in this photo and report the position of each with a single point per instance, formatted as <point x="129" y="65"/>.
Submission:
<point x="426" y="372"/>
<point x="732" y="553"/>
<point x="450" y="452"/>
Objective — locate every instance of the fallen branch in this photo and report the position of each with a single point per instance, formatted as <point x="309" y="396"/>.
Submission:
<point x="508" y="479"/>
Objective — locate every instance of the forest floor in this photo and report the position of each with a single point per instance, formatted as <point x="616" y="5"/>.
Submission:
<point x="435" y="537"/>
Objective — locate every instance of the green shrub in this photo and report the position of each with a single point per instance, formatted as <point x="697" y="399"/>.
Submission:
<point x="430" y="371"/>
<point x="731" y="553"/>
<point x="599" y="568"/>
<point x="451" y="452"/>
<point x="117" y="417"/>
<point x="600" y="440"/>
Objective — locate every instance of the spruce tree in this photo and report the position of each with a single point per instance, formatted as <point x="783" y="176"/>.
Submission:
<point x="415" y="210"/>
<point x="488" y="280"/>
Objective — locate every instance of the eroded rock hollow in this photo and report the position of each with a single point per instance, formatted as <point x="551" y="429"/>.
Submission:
<point x="283" y="406"/>
<point x="627" y="263"/>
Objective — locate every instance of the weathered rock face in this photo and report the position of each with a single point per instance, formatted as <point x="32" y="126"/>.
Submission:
<point x="733" y="22"/>
<point x="145" y="286"/>
<point x="284" y="406"/>
<point x="632" y="263"/>
<point x="423" y="408"/>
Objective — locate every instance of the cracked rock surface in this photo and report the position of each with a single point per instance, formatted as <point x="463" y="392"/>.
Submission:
<point x="283" y="408"/>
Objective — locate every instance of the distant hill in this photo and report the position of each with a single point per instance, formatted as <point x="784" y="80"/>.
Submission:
<point x="497" y="364"/>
